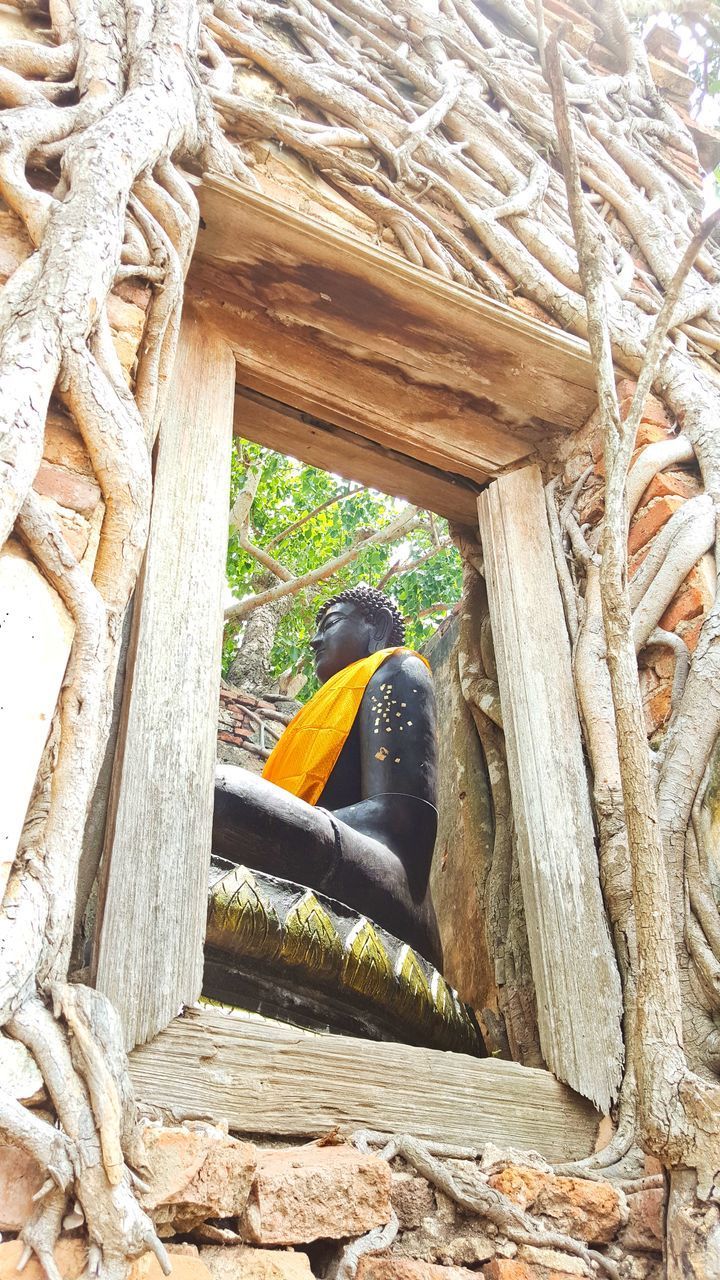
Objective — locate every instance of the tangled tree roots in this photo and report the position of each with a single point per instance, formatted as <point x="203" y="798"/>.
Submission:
<point x="437" y="129"/>
<point x="88" y="139"/>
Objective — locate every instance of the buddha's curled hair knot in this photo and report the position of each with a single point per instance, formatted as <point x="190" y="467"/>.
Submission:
<point x="369" y="601"/>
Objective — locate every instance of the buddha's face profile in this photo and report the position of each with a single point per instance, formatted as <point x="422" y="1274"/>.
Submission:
<point x="343" y="636"/>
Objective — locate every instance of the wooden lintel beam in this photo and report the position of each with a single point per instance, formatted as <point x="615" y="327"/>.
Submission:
<point x="264" y="1077"/>
<point x="359" y="338"/>
<point x="343" y="452"/>
<point x="372" y="297"/>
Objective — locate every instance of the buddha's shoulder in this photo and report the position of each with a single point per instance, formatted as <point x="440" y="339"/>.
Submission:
<point x="404" y="668"/>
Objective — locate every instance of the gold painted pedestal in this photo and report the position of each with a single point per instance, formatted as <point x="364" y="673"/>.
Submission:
<point x="283" y="950"/>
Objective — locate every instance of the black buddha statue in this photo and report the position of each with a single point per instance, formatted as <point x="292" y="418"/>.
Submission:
<point x="346" y="805"/>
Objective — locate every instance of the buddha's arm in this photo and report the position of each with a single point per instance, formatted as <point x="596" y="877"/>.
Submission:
<point x="261" y="825"/>
<point x="398" y="749"/>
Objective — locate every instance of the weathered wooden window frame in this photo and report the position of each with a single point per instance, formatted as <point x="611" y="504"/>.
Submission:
<point x="347" y="356"/>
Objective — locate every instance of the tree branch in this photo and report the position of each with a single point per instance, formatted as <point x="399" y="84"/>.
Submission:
<point x="398" y="529"/>
<point x="310" y="515"/>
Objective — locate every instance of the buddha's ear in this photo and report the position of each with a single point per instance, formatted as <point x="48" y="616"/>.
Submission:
<point x="382" y="629"/>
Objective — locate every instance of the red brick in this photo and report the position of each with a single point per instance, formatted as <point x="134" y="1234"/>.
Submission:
<point x="670" y="484"/>
<point x="693" y="599"/>
<point x="196" y="1174"/>
<point x="691" y="633"/>
<point x="650" y="521"/>
<point x="635" y="561"/>
<point x="509" y="1269"/>
<point x="76" y="492"/>
<point x="531" y="308"/>
<point x="521" y="1269"/>
<point x="71" y="1260"/>
<point x="133" y="291"/>
<point x="310" y="1193"/>
<point x="240" y="1262"/>
<point x="657" y="708"/>
<point x="20" y="1178"/>
<point x="653" y="411"/>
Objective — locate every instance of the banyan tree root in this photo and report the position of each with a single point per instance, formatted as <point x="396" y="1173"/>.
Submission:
<point x="437" y="128"/>
<point x="677" y="1098"/>
<point x="472" y="1193"/>
<point x="88" y="140"/>
<point x="81" y="1056"/>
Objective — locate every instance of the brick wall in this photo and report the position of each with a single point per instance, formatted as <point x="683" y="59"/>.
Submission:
<point x="665" y="494"/>
<point x="248" y="727"/>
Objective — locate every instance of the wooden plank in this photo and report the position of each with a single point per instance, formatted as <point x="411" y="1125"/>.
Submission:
<point x="361" y="339"/>
<point x="574" y="968"/>
<point x="268" y="1078"/>
<point x="349" y="455"/>
<point x="150" y="950"/>
<point x="354" y="389"/>
<point x="366" y="294"/>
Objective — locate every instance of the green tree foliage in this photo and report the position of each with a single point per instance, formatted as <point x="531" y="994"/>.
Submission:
<point x="288" y="491"/>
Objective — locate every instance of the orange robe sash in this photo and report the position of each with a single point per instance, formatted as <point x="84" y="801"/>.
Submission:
<point x="304" y="757"/>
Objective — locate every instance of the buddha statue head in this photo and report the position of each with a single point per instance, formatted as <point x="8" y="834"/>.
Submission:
<point x="351" y="625"/>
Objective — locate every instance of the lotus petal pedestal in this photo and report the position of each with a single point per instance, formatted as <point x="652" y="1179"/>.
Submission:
<point x="279" y="949"/>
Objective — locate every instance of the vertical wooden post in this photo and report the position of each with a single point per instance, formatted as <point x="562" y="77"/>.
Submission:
<point x="153" y="901"/>
<point x="574" y="968"/>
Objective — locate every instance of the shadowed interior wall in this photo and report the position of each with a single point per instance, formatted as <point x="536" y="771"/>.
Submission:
<point x="463" y="849"/>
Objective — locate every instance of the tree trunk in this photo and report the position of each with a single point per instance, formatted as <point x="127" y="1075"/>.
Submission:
<point x="250" y="668"/>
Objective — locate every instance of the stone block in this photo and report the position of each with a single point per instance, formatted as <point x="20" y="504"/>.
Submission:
<point x="302" y="1194"/>
<point x="194" y="1174"/>
<point x="412" y="1199"/>
<point x="71" y="1261"/>
<point x="372" y="1267"/>
<point x="241" y="1262"/>
<point x="20" y="1178"/>
<point x="646" y="1225"/>
<point x="590" y="1211"/>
